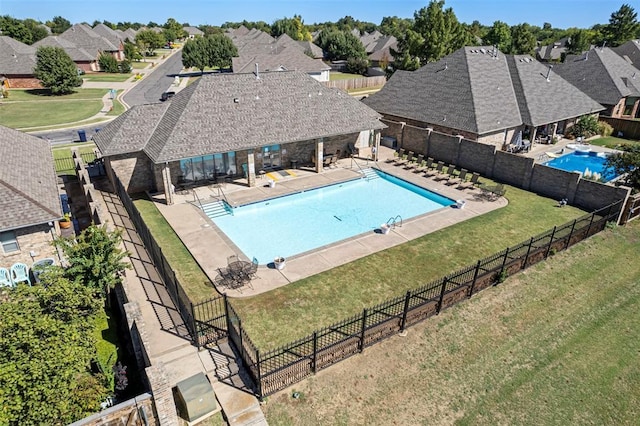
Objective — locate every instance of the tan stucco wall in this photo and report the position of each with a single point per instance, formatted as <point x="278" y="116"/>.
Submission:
<point x="35" y="238"/>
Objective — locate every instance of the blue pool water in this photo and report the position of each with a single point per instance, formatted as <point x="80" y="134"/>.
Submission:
<point x="297" y="223"/>
<point x="581" y="161"/>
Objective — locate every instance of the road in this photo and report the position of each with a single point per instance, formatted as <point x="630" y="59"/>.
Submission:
<point x="145" y="91"/>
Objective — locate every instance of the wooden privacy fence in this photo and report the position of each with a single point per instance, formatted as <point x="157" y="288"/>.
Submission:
<point x="632" y="209"/>
<point x="288" y="364"/>
<point x="630" y="128"/>
<point x="357" y="83"/>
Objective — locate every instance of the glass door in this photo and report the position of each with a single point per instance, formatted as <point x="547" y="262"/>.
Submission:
<point x="271" y="157"/>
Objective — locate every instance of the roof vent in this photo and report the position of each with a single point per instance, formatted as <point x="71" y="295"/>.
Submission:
<point x="549" y="72"/>
<point x="483" y="50"/>
<point x="236" y="100"/>
<point x="257" y="72"/>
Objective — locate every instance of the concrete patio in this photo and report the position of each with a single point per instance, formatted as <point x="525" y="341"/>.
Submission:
<point x="211" y="248"/>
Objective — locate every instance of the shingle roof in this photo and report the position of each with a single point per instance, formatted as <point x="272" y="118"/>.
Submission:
<point x="16" y="58"/>
<point x="76" y="53"/>
<point x="543" y="101"/>
<point x="315" y="50"/>
<point x="231" y="112"/>
<point x="630" y="51"/>
<point x="193" y="31"/>
<point x="84" y="37"/>
<point x="130" y="34"/>
<point x="108" y="33"/>
<point x="286" y="59"/>
<point x="602" y="74"/>
<point x="28" y="182"/>
<point x="476" y="91"/>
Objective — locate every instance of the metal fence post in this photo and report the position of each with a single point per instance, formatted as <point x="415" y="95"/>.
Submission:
<point x="196" y="332"/>
<point x="526" y="258"/>
<point x="364" y="328"/>
<point x="475" y="277"/>
<point x="314" y="359"/>
<point x="593" y="215"/>
<point x="553" y="233"/>
<point x="573" y="226"/>
<point x="504" y="262"/>
<point x="403" y="323"/>
<point x="259" y="374"/>
<point x="442" y="290"/>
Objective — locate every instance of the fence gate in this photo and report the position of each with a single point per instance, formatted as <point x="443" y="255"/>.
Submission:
<point x="210" y="321"/>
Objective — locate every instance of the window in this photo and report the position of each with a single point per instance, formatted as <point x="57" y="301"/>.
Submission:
<point x="9" y="242"/>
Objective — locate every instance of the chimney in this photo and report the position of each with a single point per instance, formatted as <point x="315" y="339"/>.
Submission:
<point x="549" y="72"/>
<point x="257" y="72"/>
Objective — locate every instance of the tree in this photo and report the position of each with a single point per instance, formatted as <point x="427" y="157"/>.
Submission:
<point x="108" y="63"/>
<point x="213" y="51"/>
<point x="15" y="29"/>
<point x="148" y="41"/>
<point x="340" y="45"/>
<point x="522" y="40"/>
<point x="394" y="26"/>
<point x="173" y="30"/>
<point x="293" y="27"/>
<point x="499" y="35"/>
<point x="357" y="65"/>
<point x="435" y="33"/>
<point x="47" y="344"/>
<point x="623" y="26"/>
<point x="627" y="164"/>
<point x="38" y="32"/>
<point x="131" y="51"/>
<point x="586" y="126"/>
<point x="95" y="258"/>
<point x="58" y="25"/>
<point x="55" y="70"/>
<point x="579" y="41"/>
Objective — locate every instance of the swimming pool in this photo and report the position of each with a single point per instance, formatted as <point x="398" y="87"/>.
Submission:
<point x="580" y="161"/>
<point x="305" y="221"/>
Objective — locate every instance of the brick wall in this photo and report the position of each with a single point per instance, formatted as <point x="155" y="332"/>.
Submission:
<point x="132" y="412"/>
<point x="23" y="82"/>
<point x="444" y="147"/>
<point x="416" y="139"/>
<point x="476" y="156"/>
<point x="554" y="183"/>
<point x="512" y="169"/>
<point x="135" y="171"/>
<point x="36" y="238"/>
<point x="592" y="195"/>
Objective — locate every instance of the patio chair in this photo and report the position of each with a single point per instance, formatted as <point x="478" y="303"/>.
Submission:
<point x="414" y="162"/>
<point x="462" y="177"/>
<point x="406" y="159"/>
<point x="333" y="161"/>
<point x="5" y="278"/>
<point x="252" y="269"/>
<point x="470" y="184"/>
<point x="20" y="273"/>
<point x="401" y="155"/>
<point x="426" y="165"/>
<point x="435" y="171"/>
<point x="232" y="258"/>
<point x="448" y="175"/>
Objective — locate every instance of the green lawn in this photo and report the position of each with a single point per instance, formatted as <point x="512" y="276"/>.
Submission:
<point x="64" y="164"/>
<point x="139" y="65"/>
<point x="289" y="312"/>
<point x="118" y="108"/>
<point x="35" y="108"/>
<point x="555" y="345"/>
<point x="613" y="142"/>
<point x="334" y="75"/>
<point x="107" y="77"/>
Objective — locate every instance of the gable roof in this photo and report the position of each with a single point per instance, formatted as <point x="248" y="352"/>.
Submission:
<point x="479" y="90"/>
<point x="193" y="31"/>
<point x="231" y="112"/>
<point x="314" y="49"/>
<point x="602" y="74"/>
<point x="130" y="34"/>
<point x="109" y="34"/>
<point x="28" y="182"/>
<point x="630" y="51"/>
<point x="286" y="59"/>
<point x="77" y="54"/>
<point x="16" y="58"/>
<point x="86" y="38"/>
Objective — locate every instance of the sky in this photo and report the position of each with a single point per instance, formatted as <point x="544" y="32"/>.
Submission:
<point x="559" y="13"/>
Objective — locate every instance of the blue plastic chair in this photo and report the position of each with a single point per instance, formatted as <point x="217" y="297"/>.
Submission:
<point x="5" y="278"/>
<point x="20" y="273"/>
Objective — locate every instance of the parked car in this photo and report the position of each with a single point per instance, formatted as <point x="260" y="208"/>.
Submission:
<point x="166" y="96"/>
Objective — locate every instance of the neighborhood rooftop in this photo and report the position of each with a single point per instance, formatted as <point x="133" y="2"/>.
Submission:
<point x="232" y="112"/>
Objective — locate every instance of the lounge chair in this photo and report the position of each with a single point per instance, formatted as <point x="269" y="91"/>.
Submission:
<point x="20" y="273"/>
<point x="435" y="171"/>
<point x="401" y="156"/>
<point x="406" y="159"/>
<point x="493" y="192"/>
<point x="414" y="162"/>
<point x="462" y="177"/>
<point x="471" y="183"/>
<point x="5" y="278"/>
<point x="448" y="175"/>
<point x="333" y="161"/>
<point x="423" y="166"/>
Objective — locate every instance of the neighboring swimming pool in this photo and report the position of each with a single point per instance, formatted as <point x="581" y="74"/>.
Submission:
<point x="580" y="161"/>
<point x="297" y="223"/>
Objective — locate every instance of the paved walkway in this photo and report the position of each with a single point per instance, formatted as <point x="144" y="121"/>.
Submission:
<point x="168" y="338"/>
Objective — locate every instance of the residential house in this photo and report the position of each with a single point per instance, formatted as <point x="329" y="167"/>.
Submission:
<point x="193" y="32"/>
<point x="606" y="77"/>
<point x="129" y="34"/>
<point x="84" y="60"/>
<point x="113" y="37"/>
<point x="485" y="96"/>
<point x="630" y="51"/>
<point x="29" y="201"/>
<point x="231" y="126"/>
<point x="17" y="61"/>
<point x="84" y="37"/>
<point x="553" y="52"/>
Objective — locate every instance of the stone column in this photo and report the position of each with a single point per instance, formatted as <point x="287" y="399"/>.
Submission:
<point x="162" y="395"/>
<point x="376" y="144"/>
<point x="319" y="155"/>
<point x="167" y="185"/>
<point x="251" y="168"/>
<point x="554" y="131"/>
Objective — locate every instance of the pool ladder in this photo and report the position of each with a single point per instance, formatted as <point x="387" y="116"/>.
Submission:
<point x="393" y="222"/>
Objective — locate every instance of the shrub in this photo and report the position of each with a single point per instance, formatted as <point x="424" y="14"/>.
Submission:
<point x="586" y="126"/>
<point x="604" y="129"/>
<point x="108" y="63"/>
<point x="124" y="67"/>
<point x="4" y="93"/>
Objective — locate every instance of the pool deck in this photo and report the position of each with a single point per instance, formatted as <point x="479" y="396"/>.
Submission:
<point x="210" y="247"/>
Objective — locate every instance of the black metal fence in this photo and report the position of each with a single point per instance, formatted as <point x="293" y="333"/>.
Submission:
<point x="67" y="166"/>
<point x="205" y="321"/>
<point x="288" y="364"/>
